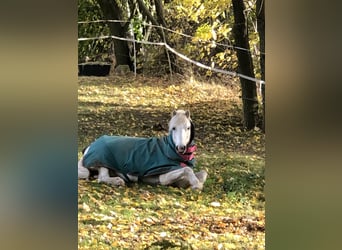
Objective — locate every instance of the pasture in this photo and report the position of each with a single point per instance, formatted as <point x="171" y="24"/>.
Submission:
<point x="229" y="213"/>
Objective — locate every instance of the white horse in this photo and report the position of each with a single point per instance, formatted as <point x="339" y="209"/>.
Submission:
<point x="166" y="160"/>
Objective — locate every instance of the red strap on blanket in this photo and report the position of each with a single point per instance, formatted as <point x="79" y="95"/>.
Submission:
<point x="191" y="149"/>
<point x="183" y="164"/>
<point x="189" y="154"/>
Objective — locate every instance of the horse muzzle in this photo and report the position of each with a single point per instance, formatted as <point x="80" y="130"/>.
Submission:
<point x="181" y="149"/>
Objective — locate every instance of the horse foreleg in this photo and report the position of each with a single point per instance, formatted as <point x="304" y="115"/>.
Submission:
<point x="183" y="176"/>
<point x="152" y="180"/>
<point x="104" y="177"/>
<point x="201" y="176"/>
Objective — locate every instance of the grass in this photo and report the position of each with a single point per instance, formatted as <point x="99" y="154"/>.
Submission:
<point x="230" y="211"/>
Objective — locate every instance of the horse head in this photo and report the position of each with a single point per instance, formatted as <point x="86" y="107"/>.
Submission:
<point x="182" y="130"/>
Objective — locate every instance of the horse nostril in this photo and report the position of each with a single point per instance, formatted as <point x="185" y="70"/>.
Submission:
<point x="180" y="148"/>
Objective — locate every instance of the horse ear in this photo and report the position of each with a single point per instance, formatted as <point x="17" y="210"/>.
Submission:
<point x="187" y="113"/>
<point x="173" y="113"/>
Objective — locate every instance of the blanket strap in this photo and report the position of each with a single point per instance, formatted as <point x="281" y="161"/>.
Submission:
<point x="188" y="155"/>
<point x="183" y="164"/>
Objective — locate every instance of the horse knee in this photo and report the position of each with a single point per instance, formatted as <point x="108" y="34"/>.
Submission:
<point x="188" y="170"/>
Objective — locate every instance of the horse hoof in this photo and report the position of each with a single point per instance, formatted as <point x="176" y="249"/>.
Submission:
<point x="119" y="182"/>
<point x="202" y="176"/>
<point x="198" y="187"/>
<point x="115" y="181"/>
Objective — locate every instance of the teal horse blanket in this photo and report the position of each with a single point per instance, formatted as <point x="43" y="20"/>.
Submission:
<point x="138" y="156"/>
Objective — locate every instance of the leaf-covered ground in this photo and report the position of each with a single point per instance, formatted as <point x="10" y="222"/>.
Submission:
<point x="227" y="214"/>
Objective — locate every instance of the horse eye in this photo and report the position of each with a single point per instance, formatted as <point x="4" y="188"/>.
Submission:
<point x="174" y="128"/>
<point x="188" y="128"/>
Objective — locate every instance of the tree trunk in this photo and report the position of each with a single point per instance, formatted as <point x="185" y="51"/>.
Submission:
<point x="249" y="94"/>
<point x="260" y="9"/>
<point x="160" y="22"/>
<point x="160" y="12"/>
<point x="112" y="11"/>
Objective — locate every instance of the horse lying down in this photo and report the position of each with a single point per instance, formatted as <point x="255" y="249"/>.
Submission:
<point x="167" y="160"/>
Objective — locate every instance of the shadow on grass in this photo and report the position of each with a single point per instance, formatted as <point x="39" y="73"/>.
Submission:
<point x="168" y="244"/>
<point x="213" y="125"/>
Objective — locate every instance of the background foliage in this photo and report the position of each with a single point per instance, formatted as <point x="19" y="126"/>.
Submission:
<point x="207" y="24"/>
<point x="92" y="50"/>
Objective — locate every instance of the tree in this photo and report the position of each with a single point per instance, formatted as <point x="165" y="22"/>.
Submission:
<point x="112" y="11"/>
<point x="248" y="87"/>
<point x="260" y="13"/>
<point x="92" y="50"/>
<point x="159" y="22"/>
